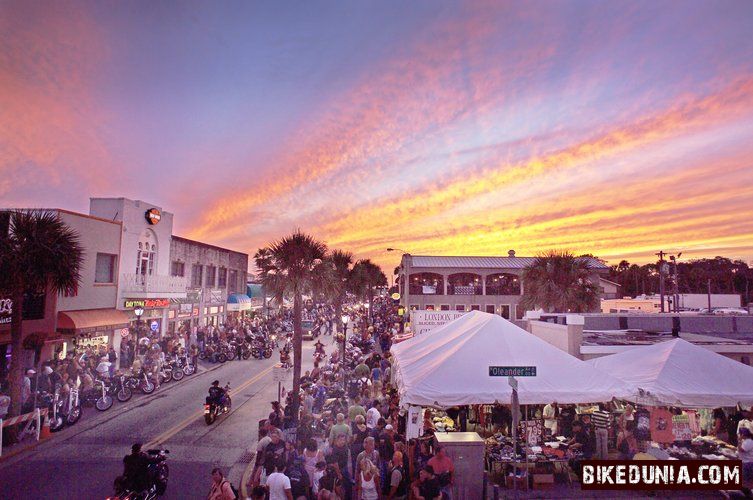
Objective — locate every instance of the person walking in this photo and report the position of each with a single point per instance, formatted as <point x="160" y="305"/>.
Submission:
<point x="601" y="420"/>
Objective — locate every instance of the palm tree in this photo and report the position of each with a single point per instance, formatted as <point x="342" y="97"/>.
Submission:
<point x="38" y="254"/>
<point x="559" y="282"/>
<point x="338" y="264"/>
<point x="291" y="271"/>
<point x="366" y="276"/>
<point x="263" y="259"/>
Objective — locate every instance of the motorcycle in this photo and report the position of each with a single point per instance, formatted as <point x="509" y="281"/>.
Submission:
<point x="158" y="472"/>
<point x="141" y="382"/>
<point x="212" y="410"/>
<point x="166" y="373"/>
<point x="65" y="410"/>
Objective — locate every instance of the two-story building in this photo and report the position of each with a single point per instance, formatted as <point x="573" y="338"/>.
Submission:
<point x="144" y="279"/>
<point x="458" y="283"/>
<point x="216" y="280"/>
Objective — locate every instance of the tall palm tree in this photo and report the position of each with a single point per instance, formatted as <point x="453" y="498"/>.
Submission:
<point x="38" y="254"/>
<point x="263" y="259"/>
<point x="559" y="282"/>
<point x="291" y="271"/>
<point x="341" y="272"/>
<point x="366" y="276"/>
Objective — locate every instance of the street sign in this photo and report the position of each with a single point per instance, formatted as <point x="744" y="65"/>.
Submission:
<point x="395" y="296"/>
<point x="512" y="371"/>
<point x="154" y="326"/>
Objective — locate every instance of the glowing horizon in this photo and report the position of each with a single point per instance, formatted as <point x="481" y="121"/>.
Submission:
<point x="442" y="128"/>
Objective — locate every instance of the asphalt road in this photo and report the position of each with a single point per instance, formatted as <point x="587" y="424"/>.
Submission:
<point x="82" y="461"/>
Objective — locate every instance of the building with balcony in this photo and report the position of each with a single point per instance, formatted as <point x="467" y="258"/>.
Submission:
<point x="454" y="283"/>
<point x="144" y="278"/>
<point x="216" y="281"/>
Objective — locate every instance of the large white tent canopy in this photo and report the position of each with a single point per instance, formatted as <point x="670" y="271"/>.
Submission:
<point x="449" y="366"/>
<point x="678" y="373"/>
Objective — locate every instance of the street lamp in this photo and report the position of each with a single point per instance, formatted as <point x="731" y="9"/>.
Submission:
<point x="345" y="319"/>
<point x="138" y="311"/>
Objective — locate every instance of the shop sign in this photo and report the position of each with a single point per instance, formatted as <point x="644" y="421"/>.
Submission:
<point x="153" y="216"/>
<point x="170" y="314"/>
<point x="426" y="321"/>
<point x="100" y="340"/>
<point x="154" y="326"/>
<point x="146" y="303"/>
<point x="6" y="311"/>
<point x="125" y="332"/>
<point x="395" y="296"/>
<point x="185" y="310"/>
<point x="512" y="371"/>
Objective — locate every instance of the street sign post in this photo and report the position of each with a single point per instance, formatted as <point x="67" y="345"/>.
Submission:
<point x="512" y="371"/>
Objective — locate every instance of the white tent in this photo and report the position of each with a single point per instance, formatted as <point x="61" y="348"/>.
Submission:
<point x="449" y="366"/>
<point x="679" y="373"/>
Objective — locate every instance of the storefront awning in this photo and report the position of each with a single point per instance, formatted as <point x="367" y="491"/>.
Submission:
<point x="238" y="302"/>
<point x="91" y="320"/>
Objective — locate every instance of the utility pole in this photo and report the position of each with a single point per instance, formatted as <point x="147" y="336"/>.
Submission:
<point x="662" y="272"/>
<point x="676" y="283"/>
<point x="709" y="294"/>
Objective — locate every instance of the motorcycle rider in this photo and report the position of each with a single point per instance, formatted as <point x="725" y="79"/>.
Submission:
<point x="319" y="348"/>
<point x="217" y="394"/>
<point x="136" y="468"/>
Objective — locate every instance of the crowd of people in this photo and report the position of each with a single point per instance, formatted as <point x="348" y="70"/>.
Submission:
<point x="348" y="440"/>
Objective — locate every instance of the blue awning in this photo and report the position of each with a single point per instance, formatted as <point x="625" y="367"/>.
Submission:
<point x="238" y="302"/>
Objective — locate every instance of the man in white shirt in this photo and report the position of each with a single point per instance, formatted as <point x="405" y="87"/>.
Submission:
<point x="550" y="418"/>
<point x="279" y="485"/>
<point x="373" y="415"/>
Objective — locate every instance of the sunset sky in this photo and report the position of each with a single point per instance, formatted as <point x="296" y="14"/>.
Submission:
<point x="468" y="128"/>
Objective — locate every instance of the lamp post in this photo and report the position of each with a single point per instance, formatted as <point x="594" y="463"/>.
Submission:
<point x="345" y="319"/>
<point x="138" y="311"/>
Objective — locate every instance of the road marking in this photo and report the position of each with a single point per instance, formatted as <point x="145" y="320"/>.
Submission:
<point x="185" y="423"/>
<point x="246" y="478"/>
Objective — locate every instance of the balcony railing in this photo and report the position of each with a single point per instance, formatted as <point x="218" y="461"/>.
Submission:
<point x="153" y="283"/>
<point x="503" y="289"/>
<point x="426" y="289"/>
<point x="464" y="290"/>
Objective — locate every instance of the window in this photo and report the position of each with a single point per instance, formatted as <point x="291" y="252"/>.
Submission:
<point x="146" y="256"/>
<point x="519" y="312"/>
<point x="475" y="307"/>
<point x="178" y="269"/>
<point x="233" y="280"/>
<point x="490" y="308"/>
<point x="34" y="305"/>
<point x="222" y="278"/>
<point x="460" y="307"/>
<point x="429" y="307"/>
<point x="504" y="311"/>
<point x="211" y="275"/>
<point x="444" y="307"/>
<point x="104" y="270"/>
<point x="196" y="274"/>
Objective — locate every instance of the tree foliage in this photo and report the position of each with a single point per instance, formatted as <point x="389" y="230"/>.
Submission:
<point x="559" y="282"/>
<point x="39" y="254"/>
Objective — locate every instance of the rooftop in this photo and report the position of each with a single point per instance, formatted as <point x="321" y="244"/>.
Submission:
<point x="437" y="261"/>
<point x="613" y="341"/>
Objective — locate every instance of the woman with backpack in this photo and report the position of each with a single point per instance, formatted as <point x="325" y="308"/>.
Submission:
<point x="221" y="487"/>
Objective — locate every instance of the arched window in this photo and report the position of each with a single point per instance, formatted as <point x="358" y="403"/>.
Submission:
<point x="502" y="284"/>
<point x="147" y="254"/>
<point x="464" y="284"/>
<point x="426" y="284"/>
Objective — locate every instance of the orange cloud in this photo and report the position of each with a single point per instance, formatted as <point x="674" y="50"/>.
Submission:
<point x="48" y="122"/>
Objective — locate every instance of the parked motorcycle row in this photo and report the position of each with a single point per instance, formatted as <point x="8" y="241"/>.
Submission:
<point x="65" y="408"/>
<point x="255" y="346"/>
